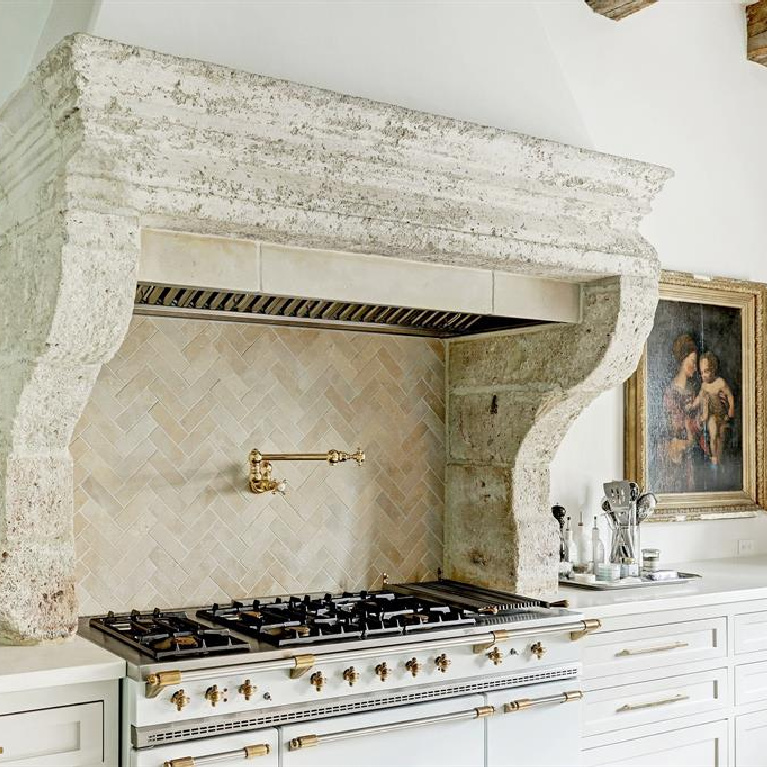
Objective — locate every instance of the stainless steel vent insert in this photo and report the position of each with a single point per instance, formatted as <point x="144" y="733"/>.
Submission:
<point x="167" y="300"/>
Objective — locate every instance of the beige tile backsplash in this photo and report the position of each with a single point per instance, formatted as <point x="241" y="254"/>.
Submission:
<point x="163" y="516"/>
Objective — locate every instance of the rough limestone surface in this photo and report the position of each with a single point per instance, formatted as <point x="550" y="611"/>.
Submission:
<point x="104" y="139"/>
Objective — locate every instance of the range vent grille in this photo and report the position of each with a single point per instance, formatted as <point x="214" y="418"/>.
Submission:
<point x="166" y="300"/>
<point x="155" y="736"/>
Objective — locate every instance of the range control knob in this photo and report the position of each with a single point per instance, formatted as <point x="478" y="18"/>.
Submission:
<point x="383" y="671"/>
<point x="442" y="662"/>
<point x="413" y="666"/>
<point x="538" y="650"/>
<point x="351" y="675"/>
<point x="496" y="656"/>
<point x="247" y="689"/>
<point x="214" y="695"/>
<point x="318" y="680"/>
<point x="179" y="699"/>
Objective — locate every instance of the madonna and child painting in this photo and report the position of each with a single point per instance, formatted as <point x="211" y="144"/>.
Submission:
<point x="692" y="406"/>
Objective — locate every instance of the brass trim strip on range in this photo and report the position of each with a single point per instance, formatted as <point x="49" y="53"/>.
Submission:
<point x="589" y="625"/>
<point x="246" y="752"/>
<point x="649" y="650"/>
<point x="306" y="741"/>
<point x="302" y="664"/>
<point x="298" y="665"/>
<point x="524" y="703"/>
<point x="678" y="698"/>
<point x="498" y="636"/>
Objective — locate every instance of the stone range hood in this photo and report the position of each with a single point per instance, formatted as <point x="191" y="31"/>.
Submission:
<point x="106" y="141"/>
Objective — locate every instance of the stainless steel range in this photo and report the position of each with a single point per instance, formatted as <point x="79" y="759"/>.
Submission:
<point x="439" y="673"/>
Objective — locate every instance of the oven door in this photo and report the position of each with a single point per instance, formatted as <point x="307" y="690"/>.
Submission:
<point x="257" y="748"/>
<point x="448" y="733"/>
<point x="535" y="726"/>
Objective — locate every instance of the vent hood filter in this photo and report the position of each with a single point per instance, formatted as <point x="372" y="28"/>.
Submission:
<point x="198" y="303"/>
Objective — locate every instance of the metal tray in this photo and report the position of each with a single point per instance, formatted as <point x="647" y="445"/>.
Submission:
<point x="619" y="585"/>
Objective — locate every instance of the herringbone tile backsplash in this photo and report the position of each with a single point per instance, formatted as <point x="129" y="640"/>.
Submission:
<point x="163" y="516"/>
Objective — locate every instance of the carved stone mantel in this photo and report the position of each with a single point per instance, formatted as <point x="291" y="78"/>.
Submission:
<point x="104" y="139"/>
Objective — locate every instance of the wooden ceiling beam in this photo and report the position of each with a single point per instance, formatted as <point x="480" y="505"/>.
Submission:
<point x="756" y="25"/>
<point x="618" y="9"/>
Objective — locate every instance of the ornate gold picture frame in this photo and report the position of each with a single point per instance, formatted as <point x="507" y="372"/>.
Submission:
<point x="695" y="408"/>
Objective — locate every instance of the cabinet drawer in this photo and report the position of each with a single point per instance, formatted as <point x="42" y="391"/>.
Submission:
<point x="751" y="739"/>
<point x="750" y="682"/>
<point x="640" y="703"/>
<point x="67" y="736"/>
<point x="643" y="649"/>
<point x="750" y="632"/>
<point x="701" y="746"/>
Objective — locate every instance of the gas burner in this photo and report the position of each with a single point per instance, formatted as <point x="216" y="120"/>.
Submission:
<point x="350" y="615"/>
<point x="165" y="635"/>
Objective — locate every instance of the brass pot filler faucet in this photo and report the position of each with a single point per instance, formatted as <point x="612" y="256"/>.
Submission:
<point x="261" y="468"/>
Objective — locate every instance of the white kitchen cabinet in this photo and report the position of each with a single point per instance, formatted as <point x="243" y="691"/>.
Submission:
<point x="750" y="632"/>
<point x="751" y="740"/>
<point x="72" y="725"/>
<point x="426" y="735"/>
<point x="537" y="736"/>
<point x="53" y="737"/>
<point x="259" y="748"/>
<point x="701" y="746"/>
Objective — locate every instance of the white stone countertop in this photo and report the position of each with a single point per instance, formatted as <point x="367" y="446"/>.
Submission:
<point x="724" y="581"/>
<point x="57" y="663"/>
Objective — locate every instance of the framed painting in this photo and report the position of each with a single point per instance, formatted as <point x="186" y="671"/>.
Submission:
<point x="695" y="425"/>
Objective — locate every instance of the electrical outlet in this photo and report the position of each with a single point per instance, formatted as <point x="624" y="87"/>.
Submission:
<point x="746" y="547"/>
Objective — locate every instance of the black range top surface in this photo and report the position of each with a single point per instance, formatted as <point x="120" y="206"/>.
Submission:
<point x="402" y="609"/>
<point x="308" y="620"/>
<point x="164" y="635"/>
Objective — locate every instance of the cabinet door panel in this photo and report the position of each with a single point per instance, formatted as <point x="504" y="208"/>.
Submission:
<point x="65" y="736"/>
<point x="701" y="746"/>
<point x="750" y="632"/>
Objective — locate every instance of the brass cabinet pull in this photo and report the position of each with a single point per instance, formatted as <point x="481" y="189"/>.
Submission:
<point x="523" y="703"/>
<point x="306" y="741"/>
<point x="247" y="752"/>
<point x="650" y="650"/>
<point x="653" y="704"/>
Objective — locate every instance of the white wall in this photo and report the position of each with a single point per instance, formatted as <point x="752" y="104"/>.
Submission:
<point x="670" y="84"/>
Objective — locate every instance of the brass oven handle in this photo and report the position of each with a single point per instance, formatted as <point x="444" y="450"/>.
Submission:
<point x="305" y="741"/>
<point x="649" y="650"/>
<point x="298" y="665"/>
<point x="247" y="752"/>
<point x="653" y="704"/>
<point x="523" y="703"/>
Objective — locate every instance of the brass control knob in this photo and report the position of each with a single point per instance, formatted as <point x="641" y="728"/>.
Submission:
<point x="318" y="680"/>
<point x="413" y="666"/>
<point x="538" y="650"/>
<point x="351" y="675"/>
<point x="247" y="689"/>
<point x="496" y="656"/>
<point x="180" y="699"/>
<point x="442" y="662"/>
<point x="214" y="695"/>
<point x="383" y="671"/>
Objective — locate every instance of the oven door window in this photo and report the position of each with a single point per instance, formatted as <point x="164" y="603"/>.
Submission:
<point x="440" y="734"/>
